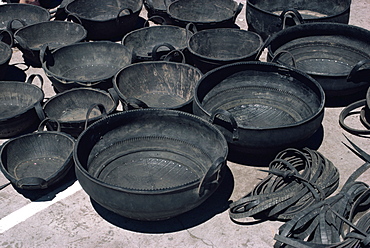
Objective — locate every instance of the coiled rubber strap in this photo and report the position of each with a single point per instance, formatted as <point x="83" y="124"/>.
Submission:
<point x="297" y="179"/>
<point x="330" y="223"/>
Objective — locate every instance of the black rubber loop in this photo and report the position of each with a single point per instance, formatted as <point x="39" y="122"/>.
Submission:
<point x="347" y="111"/>
<point x="330" y="223"/>
<point x="297" y="179"/>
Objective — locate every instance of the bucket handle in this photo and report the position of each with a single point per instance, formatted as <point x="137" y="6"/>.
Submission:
<point x="191" y="29"/>
<point x="237" y="10"/>
<point x="174" y="53"/>
<point x="3" y="37"/>
<point x="155" y="55"/>
<point x="153" y="17"/>
<point x="31" y="183"/>
<point x="356" y="68"/>
<point x="131" y="102"/>
<point x="71" y="17"/>
<point x="212" y="176"/>
<point x="10" y="24"/>
<point x="347" y="111"/>
<point x="45" y="54"/>
<point x="278" y="54"/>
<point x="95" y="105"/>
<point x="122" y="10"/>
<point x="292" y="13"/>
<point x="23" y="44"/>
<point x="265" y="44"/>
<point x="31" y="78"/>
<point x="46" y="123"/>
<point x="228" y="115"/>
<point x="113" y="94"/>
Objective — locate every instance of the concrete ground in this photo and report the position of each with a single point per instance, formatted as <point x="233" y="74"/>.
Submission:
<point x="64" y="216"/>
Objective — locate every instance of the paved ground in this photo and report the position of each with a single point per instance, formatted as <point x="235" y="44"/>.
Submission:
<point x="65" y="216"/>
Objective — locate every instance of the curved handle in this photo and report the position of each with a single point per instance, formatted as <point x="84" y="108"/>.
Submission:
<point x="39" y="111"/>
<point x="356" y="68"/>
<point x="131" y="102"/>
<point x="32" y="77"/>
<point x="113" y="94"/>
<point x="46" y="55"/>
<point x="10" y="23"/>
<point x="32" y="183"/>
<point x="237" y="10"/>
<point x="278" y="54"/>
<point x="292" y="13"/>
<point x="212" y="176"/>
<point x="191" y="29"/>
<point x="230" y="117"/>
<point x="153" y="17"/>
<point x="23" y="43"/>
<point x="347" y="112"/>
<point x="155" y="55"/>
<point x="95" y="105"/>
<point x="71" y="17"/>
<point x="45" y="123"/>
<point x="265" y="44"/>
<point x="122" y="10"/>
<point x="174" y="54"/>
<point x="8" y="35"/>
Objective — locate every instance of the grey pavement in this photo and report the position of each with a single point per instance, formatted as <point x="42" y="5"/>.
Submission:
<point x="65" y="216"/>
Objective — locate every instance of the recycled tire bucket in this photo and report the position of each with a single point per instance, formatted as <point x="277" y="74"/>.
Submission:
<point x="150" y="164"/>
<point x="25" y="14"/>
<point x="150" y="43"/>
<point x="212" y="48"/>
<point x="55" y="34"/>
<point x="260" y="107"/>
<point x="85" y="64"/>
<point x="267" y="17"/>
<point x="20" y="107"/>
<point x="37" y="160"/>
<point x="204" y="14"/>
<point x="334" y="54"/>
<point x="105" y="19"/>
<point x="70" y="108"/>
<point x="157" y="84"/>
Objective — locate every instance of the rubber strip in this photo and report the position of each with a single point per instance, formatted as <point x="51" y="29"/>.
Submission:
<point x="347" y="111"/>
<point x="330" y="223"/>
<point x="297" y="179"/>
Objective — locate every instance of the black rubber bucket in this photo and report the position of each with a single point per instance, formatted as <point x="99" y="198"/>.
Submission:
<point x="157" y="84"/>
<point x="212" y="48"/>
<point x="150" y="43"/>
<point x="150" y="164"/>
<point x="267" y="17"/>
<point x="70" y="108"/>
<point x="204" y="14"/>
<point x="334" y="54"/>
<point x="37" y="160"/>
<point x="85" y="64"/>
<point x="25" y="14"/>
<point x="20" y="107"/>
<point x="105" y="19"/>
<point x="260" y="107"/>
<point x="55" y="34"/>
